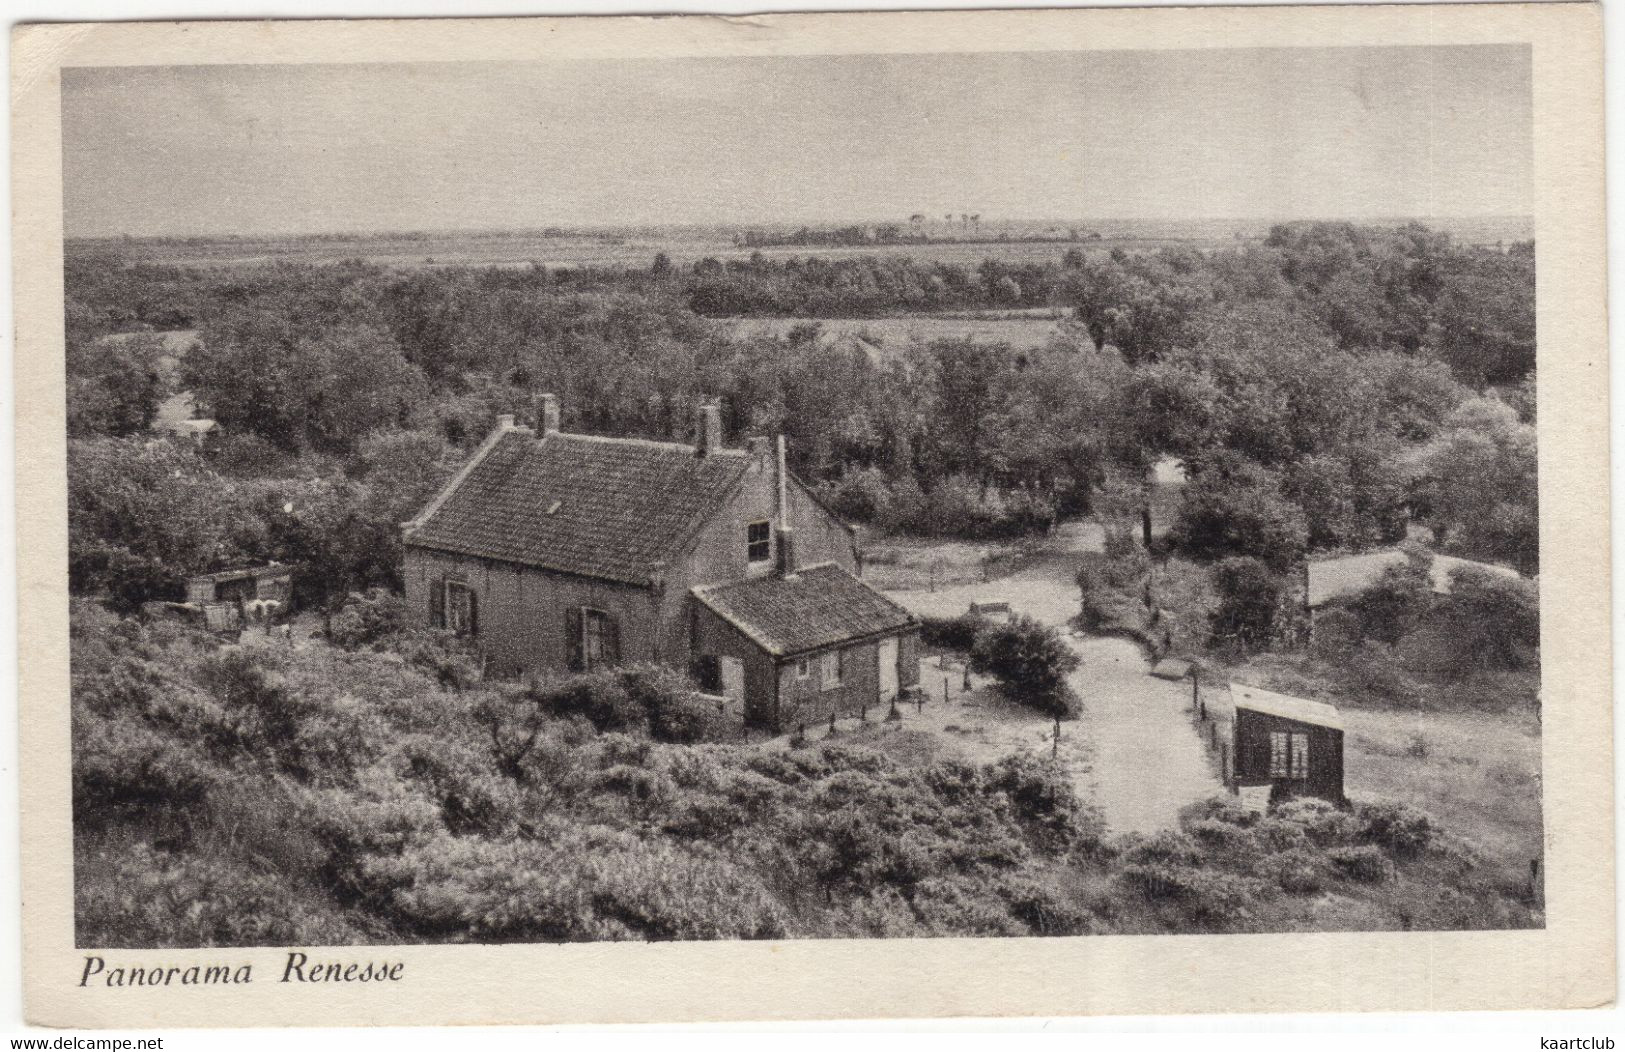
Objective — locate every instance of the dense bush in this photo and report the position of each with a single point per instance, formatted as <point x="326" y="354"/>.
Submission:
<point x="951" y="633"/>
<point x="1031" y="661"/>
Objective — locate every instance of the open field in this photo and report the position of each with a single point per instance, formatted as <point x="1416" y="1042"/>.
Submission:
<point x="519" y="250"/>
<point x="636" y="248"/>
<point x="1032" y="329"/>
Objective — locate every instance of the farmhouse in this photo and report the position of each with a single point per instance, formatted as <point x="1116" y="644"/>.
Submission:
<point x="1292" y="746"/>
<point x="560" y="551"/>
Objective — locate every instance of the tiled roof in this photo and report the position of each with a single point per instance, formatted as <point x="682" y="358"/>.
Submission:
<point x="1300" y="709"/>
<point x="818" y="607"/>
<point x="601" y="507"/>
<point x="1346" y="575"/>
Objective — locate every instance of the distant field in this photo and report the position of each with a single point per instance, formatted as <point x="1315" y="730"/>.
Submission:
<point x="1018" y="329"/>
<point x="571" y="253"/>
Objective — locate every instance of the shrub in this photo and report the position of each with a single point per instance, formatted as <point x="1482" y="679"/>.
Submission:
<point x="676" y="711"/>
<point x="1207" y="894"/>
<point x="1042" y="794"/>
<point x="951" y="633"/>
<point x="1365" y="863"/>
<point x="1400" y="828"/>
<point x="144" y="897"/>
<point x="1249" y="598"/>
<point x="1298" y="872"/>
<point x="1323" y="823"/>
<point x="368" y="620"/>
<point x="638" y="699"/>
<point x="1031" y="662"/>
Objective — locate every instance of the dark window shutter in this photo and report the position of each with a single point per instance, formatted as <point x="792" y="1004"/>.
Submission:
<point x="573" y="638"/>
<point x="473" y="612"/>
<point x="612" y="640"/>
<point x="437" y="603"/>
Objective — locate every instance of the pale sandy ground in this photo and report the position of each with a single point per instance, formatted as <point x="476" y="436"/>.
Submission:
<point x="1134" y="753"/>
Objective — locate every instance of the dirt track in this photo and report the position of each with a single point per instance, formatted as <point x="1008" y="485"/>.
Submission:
<point x="1147" y="761"/>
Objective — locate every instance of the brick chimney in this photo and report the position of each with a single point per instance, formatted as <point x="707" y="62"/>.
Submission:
<point x="786" y="540"/>
<point x="708" y="429"/>
<point x="547" y="414"/>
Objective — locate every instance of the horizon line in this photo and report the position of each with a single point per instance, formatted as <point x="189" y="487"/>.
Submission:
<point x="721" y="224"/>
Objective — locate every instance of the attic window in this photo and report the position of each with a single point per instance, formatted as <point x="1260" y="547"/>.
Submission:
<point x="759" y="541"/>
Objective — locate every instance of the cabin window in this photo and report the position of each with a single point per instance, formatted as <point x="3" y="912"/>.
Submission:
<point x="803" y="668"/>
<point x="595" y="639"/>
<point x="1289" y="755"/>
<point x="759" y="541"/>
<point x="459" y="608"/>
<point x="831" y="671"/>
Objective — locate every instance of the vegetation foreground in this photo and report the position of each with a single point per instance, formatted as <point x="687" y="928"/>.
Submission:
<point x="265" y="795"/>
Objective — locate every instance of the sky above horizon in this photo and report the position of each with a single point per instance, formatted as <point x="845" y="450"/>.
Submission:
<point x="1289" y="133"/>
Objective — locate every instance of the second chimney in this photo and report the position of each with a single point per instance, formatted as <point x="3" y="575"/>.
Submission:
<point x="708" y="429"/>
<point x="547" y="414"/>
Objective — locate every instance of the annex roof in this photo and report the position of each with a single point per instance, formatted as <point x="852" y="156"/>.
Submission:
<point x="612" y="508"/>
<point x="1346" y="575"/>
<point x="1302" y="710"/>
<point x="817" y="607"/>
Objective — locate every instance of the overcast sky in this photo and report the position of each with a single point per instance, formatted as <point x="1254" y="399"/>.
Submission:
<point x="1337" y="132"/>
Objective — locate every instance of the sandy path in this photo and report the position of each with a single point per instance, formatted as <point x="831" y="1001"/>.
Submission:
<point x="1139" y="759"/>
<point x="1150" y="762"/>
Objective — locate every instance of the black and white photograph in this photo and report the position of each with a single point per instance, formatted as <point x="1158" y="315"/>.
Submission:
<point x="1006" y="494"/>
<point x="873" y="497"/>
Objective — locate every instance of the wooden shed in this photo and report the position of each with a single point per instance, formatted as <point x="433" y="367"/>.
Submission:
<point x="1292" y="745"/>
<point x="273" y="582"/>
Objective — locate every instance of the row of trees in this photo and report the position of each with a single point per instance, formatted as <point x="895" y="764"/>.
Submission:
<point x="1299" y="431"/>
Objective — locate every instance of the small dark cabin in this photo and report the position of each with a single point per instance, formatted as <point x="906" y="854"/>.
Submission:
<point x="1292" y="745"/>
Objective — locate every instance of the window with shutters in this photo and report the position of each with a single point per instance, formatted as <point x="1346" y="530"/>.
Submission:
<point x="460" y="610"/>
<point x="759" y="541"/>
<point x="1289" y="755"/>
<point x="830" y="673"/>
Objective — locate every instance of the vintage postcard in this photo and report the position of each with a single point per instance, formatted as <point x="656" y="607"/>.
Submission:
<point x="864" y="515"/>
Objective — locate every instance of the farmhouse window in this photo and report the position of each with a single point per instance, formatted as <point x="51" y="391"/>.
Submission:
<point x="831" y="671"/>
<point x="594" y="637"/>
<point x="759" y="541"/>
<point x="1289" y="755"/>
<point x="803" y="668"/>
<point x="459" y="608"/>
<point x="708" y="673"/>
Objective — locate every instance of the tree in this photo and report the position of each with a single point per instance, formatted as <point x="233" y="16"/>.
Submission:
<point x="1232" y="506"/>
<point x="302" y="388"/>
<point x="1398" y="601"/>
<point x="1494" y="620"/>
<point x="1486" y="325"/>
<point x="114" y="386"/>
<point x="1479" y="486"/>
<point x="141" y="518"/>
<point x="1031" y="662"/>
<point x="1249" y="598"/>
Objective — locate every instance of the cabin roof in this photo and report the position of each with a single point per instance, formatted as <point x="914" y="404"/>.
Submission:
<point x="1254" y="699"/>
<point x="611" y="508"/>
<point x="1346" y="575"/>
<point x="244" y="573"/>
<point x="817" y="607"/>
